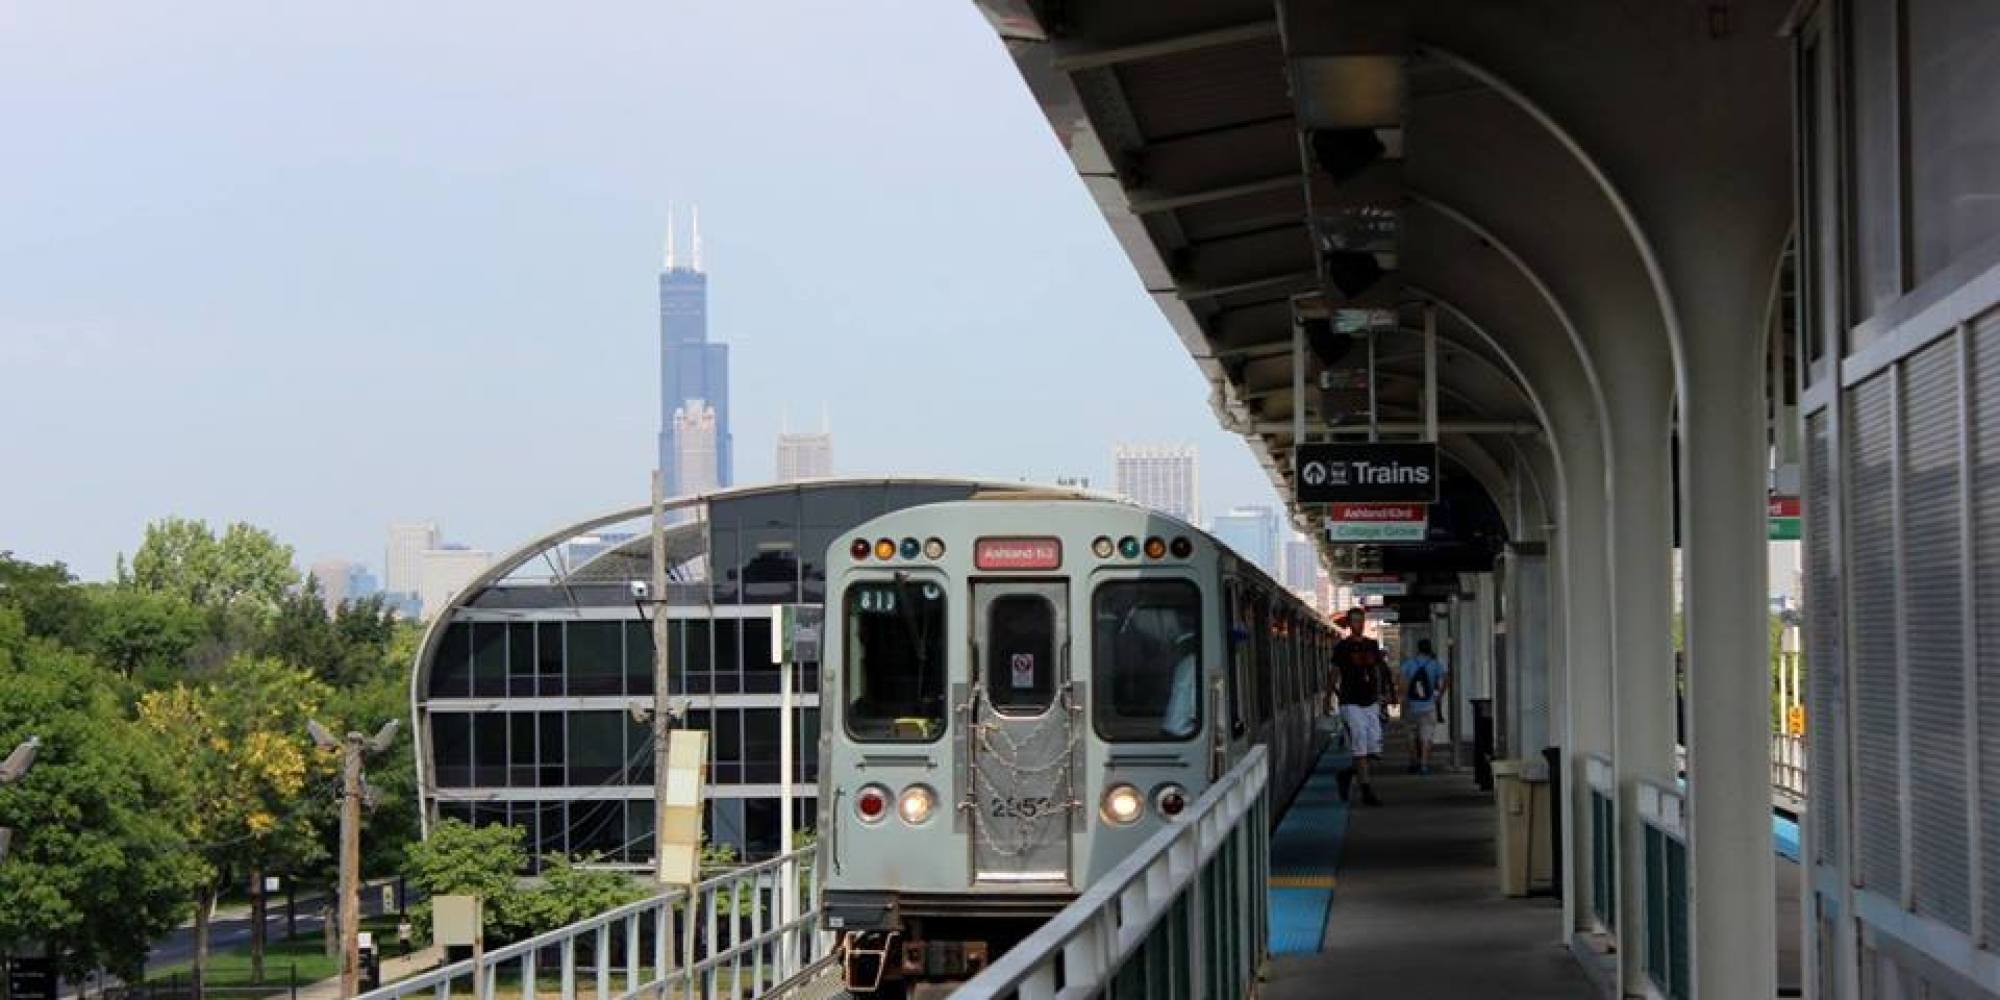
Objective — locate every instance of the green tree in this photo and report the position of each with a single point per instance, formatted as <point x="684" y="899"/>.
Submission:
<point x="147" y="636"/>
<point x="241" y="743"/>
<point x="244" y="567"/>
<point x="461" y="859"/>
<point x="46" y="596"/>
<point x="570" y="891"/>
<point x="97" y="869"/>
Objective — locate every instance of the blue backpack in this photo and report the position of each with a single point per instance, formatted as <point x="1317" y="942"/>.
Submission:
<point x="1421" y="686"/>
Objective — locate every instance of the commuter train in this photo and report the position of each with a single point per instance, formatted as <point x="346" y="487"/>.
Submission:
<point x="1019" y="690"/>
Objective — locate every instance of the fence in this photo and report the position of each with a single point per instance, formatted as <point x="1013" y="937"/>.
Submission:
<point x="1188" y="906"/>
<point x="747" y="931"/>
<point x="1788" y="765"/>
<point x="1603" y="782"/>
<point x="1664" y="814"/>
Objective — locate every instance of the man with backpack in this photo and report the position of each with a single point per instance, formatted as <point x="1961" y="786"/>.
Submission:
<point x="1425" y="681"/>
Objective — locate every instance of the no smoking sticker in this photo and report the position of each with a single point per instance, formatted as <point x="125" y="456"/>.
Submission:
<point x="1023" y="665"/>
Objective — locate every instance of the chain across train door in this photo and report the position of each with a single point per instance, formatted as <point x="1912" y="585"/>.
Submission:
<point x="1023" y="733"/>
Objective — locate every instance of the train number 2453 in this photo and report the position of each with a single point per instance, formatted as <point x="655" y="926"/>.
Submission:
<point x="1021" y="808"/>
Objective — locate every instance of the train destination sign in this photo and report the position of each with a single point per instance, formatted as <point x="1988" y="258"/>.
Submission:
<point x="1377" y="522"/>
<point x="1017" y="553"/>
<point x="1364" y="473"/>
<point x="1378" y="585"/>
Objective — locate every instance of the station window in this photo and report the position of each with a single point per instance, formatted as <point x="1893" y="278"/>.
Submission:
<point x="596" y="658"/>
<point x="895" y="661"/>
<point x="1146" y="658"/>
<point x="451" y="668"/>
<point x="596" y="748"/>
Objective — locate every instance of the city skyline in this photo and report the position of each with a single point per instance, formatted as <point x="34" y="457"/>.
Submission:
<point x="475" y="245"/>
<point x="1166" y="478"/>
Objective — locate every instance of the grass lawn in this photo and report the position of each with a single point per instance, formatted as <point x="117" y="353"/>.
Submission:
<point x="305" y="953"/>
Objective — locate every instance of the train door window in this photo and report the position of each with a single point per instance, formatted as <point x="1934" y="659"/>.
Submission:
<point x="895" y="661"/>
<point x="1020" y="654"/>
<point x="1146" y="660"/>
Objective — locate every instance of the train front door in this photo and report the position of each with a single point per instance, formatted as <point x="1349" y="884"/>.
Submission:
<point x="1021" y="743"/>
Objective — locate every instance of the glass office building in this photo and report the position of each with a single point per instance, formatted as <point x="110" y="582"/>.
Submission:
<point x="526" y="681"/>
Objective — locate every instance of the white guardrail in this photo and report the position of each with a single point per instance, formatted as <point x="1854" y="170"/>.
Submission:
<point x="1184" y="915"/>
<point x="751" y="930"/>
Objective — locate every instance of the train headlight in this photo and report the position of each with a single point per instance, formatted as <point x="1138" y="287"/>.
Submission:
<point x="916" y="804"/>
<point x="910" y="548"/>
<point x="1123" y="805"/>
<point x="859" y="550"/>
<point x="1101" y="548"/>
<point x="1170" y="799"/>
<point x="1156" y="547"/>
<point x="871" y="803"/>
<point x="934" y="548"/>
<point x="885" y="548"/>
<point x="1182" y="547"/>
<point x="1128" y="547"/>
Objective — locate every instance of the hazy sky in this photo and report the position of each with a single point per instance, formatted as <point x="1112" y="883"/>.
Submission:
<point x="322" y="267"/>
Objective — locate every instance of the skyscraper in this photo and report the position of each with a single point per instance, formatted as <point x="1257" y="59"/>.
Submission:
<point x="1162" y="477"/>
<point x="805" y="455"/>
<point x="696" y="437"/>
<point x="445" y="572"/>
<point x="405" y="565"/>
<point x="1252" y="532"/>
<point x="341" y="581"/>
<point x="691" y="368"/>
<point x="1301" y="566"/>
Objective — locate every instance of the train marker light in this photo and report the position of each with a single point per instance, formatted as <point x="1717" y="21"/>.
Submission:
<point x="859" y="550"/>
<point x="1182" y="548"/>
<point x="1101" y="548"/>
<point x="871" y="803"/>
<point x="1170" y="799"/>
<point x="910" y="548"/>
<point x="1155" y="547"/>
<point x="933" y="548"/>
<point x="915" y="805"/>
<point x="1123" y="805"/>
<point x="885" y="548"/>
<point x="1128" y="547"/>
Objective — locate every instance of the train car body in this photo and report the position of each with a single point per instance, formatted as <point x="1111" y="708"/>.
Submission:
<point x="1018" y="692"/>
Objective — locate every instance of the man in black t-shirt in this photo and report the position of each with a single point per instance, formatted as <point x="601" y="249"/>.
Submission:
<point x="1358" y="668"/>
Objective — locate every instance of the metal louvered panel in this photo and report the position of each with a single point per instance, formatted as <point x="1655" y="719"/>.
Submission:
<point x="1828" y="719"/>
<point x="1933" y="626"/>
<point x="1871" y="575"/>
<point x="1985" y="472"/>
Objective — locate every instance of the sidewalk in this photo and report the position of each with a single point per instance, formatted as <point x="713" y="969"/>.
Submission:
<point x="393" y="969"/>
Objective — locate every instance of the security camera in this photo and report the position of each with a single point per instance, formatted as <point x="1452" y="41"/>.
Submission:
<point x="641" y="590"/>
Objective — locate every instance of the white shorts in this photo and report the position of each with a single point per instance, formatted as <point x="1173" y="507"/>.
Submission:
<point x="1364" y="729"/>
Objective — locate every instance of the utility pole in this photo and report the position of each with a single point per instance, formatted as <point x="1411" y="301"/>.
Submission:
<point x="352" y="748"/>
<point x="662" y="714"/>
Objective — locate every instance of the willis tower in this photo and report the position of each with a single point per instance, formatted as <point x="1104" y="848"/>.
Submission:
<point x="695" y="447"/>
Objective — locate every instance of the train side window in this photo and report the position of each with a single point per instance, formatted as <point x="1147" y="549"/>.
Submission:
<point x="1265" y="665"/>
<point x="1146" y="660"/>
<point x="894" y="676"/>
<point x="1021" y="654"/>
<point x="1233" y="639"/>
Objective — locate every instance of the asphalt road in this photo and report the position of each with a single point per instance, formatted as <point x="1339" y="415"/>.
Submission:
<point x="178" y="946"/>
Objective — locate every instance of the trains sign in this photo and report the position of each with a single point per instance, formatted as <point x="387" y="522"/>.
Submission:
<point x="1365" y="473"/>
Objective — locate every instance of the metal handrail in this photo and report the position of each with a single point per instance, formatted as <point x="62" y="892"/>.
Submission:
<point x="786" y="936"/>
<point x="1094" y="935"/>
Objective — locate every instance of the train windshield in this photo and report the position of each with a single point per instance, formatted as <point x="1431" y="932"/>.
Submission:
<point x="894" y="680"/>
<point x="1146" y="660"/>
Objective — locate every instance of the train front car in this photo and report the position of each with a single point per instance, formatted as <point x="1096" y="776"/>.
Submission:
<point x="1019" y="693"/>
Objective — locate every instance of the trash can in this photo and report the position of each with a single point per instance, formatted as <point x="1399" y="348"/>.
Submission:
<point x="1521" y="794"/>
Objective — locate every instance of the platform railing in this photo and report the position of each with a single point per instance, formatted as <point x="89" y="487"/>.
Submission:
<point x="1788" y="764"/>
<point x="1602" y="779"/>
<point x="1663" y="812"/>
<point x="750" y="929"/>
<point x="1185" y="915"/>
